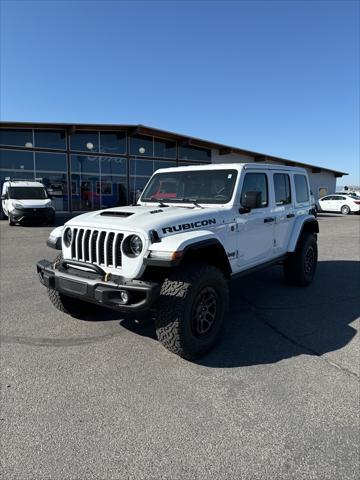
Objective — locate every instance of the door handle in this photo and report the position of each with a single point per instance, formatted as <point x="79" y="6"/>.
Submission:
<point x="290" y="215"/>
<point x="269" y="219"/>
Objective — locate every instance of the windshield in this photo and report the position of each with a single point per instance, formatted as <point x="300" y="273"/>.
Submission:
<point x="202" y="186"/>
<point x="28" y="193"/>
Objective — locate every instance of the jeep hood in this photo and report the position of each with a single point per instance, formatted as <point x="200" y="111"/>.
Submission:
<point x="142" y="218"/>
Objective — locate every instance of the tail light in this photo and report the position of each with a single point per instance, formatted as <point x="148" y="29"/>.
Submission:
<point x="357" y="202"/>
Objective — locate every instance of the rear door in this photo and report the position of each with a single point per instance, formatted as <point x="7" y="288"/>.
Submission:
<point x="283" y="211"/>
<point x="256" y="228"/>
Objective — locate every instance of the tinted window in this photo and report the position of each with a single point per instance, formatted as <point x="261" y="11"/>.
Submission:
<point x="113" y="165"/>
<point x="85" y="141"/>
<point x="282" y="189"/>
<point x="94" y="164"/>
<point x="301" y="188"/>
<point x="326" y="198"/>
<point x="211" y="186"/>
<point x="84" y="164"/>
<point x="256" y="182"/>
<point x="17" y="137"/>
<point x="141" y="167"/>
<point x="28" y="193"/>
<point x="17" y="160"/>
<point x="194" y="153"/>
<point x="140" y="142"/>
<point x="164" y="148"/>
<point x="113" y="142"/>
<point x="53" y="162"/>
<point x="50" y="139"/>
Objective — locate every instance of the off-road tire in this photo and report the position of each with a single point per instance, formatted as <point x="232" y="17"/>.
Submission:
<point x="72" y="306"/>
<point x="300" y="266"/>
<point x="180" y="294"/>
<point x="345" y="210"/>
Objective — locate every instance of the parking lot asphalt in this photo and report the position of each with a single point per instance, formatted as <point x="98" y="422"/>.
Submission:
<point x="100" y="398"/>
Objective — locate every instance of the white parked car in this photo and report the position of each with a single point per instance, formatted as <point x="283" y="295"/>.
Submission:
<point x="26" y="201"/>
<point x="344" y="204"/>
<point x="192" y="231"/>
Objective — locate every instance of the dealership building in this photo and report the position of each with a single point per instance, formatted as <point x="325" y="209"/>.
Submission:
<point x="88" y="167"/>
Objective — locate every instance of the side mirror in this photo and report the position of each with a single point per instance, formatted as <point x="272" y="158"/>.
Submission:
<point x="250" y="200"/>
<point x="4" y="197"/>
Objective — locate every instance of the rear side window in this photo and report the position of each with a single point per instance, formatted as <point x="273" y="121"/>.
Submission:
<point x="282" y="189"/>
<point x="301" y="188"/>
<point x="256" y="182"/>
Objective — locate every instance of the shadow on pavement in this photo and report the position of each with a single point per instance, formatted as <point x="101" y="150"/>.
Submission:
<point x="270" y="321"/>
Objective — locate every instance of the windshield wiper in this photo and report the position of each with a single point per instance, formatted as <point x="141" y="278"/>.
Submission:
<point x="193" y="201"/>
<point x="158" y="200"/>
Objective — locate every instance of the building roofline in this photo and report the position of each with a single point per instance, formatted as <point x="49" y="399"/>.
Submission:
<point x="186" y="139"/>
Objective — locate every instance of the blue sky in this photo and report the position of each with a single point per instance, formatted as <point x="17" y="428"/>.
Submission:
<point x="279" y="77"/>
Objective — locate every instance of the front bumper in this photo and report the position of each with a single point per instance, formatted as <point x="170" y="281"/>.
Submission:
<point x="33" y="214"/>
<point x="95" y="286"/>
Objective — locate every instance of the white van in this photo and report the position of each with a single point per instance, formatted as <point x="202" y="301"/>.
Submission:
<point x="26" y="201"/>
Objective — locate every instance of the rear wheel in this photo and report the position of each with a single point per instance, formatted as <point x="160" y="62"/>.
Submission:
<point x="345" y="210"/>
<point x="191" y="311"/>
<point x="72" y="306"/>
<point x="300" y="266"/>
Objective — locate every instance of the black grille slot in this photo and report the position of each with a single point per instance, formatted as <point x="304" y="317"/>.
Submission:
<point x="87" y="246"/>
<point x="101" y="248"/>
<point x="73" y="244"/>
<point x="109" y="248"/>
<point x="93" y="246"/>
<point x="79" y="244"/>
<point x="118" y="256"/>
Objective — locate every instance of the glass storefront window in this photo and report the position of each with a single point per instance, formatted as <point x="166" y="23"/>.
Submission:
<point x="50" y="161"/>
<point x="164" y="148"/>
<point x="85" y="164"/>
<point x="16" y="160"/>
<point x="50" y="139"/>
<point x="113" y="142"/>
<point x="195" y="153"/>
<point x="141" y="167"/>
<point x="98" y="182"/>
<point x="56" y="184"/>
<point x="141" y="145"/>
<point x="85" y="141"/>
<point x="16" y="137"/>
<point x="113" y="165"/>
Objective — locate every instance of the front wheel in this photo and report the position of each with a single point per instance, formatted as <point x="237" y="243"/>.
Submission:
<point x="345" y="210"/>
<point x="11" y="221"/>
<point x="192" y="309"/>
<point x="300" y="266"/>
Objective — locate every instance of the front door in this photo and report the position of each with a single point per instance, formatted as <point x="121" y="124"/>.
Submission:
<point x="256" y="228"/>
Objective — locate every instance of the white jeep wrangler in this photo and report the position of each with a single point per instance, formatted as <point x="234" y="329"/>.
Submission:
<point x="192" y="230"/>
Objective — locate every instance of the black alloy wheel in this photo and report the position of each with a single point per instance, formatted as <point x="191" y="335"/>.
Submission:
<point x="204" y="311"/>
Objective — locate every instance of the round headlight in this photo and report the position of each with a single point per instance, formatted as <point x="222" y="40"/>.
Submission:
<point x="67" y="237"/>
<point x="135" y="245"/>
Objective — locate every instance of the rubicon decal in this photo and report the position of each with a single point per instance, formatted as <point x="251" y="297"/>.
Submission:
<point x="189" y="226"/>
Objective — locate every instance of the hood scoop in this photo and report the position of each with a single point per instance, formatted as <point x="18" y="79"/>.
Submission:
<point x="116" y="214"/>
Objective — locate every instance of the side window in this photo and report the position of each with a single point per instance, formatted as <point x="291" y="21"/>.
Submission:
<point x="282" y="189"/>
<point x="256" y="182"/>
<point x="301" y="187"/>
